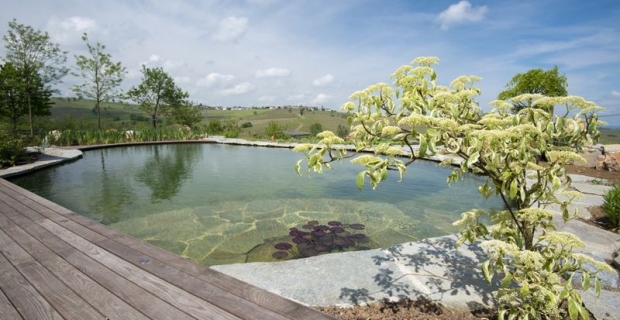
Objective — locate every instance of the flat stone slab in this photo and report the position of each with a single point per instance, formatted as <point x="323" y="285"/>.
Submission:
<point x="599" y="243"/>
<point x="431" y="269"/>
<point x="48" y="157"/>
<point x="591" y="189"/>
<point x="604" y="307"/>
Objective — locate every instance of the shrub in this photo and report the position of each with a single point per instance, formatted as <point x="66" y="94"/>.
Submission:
<point x="534" y="263"/>
<point x="11" y="149"/>
<point x="316" y="128"/>
<point x="611" y="206"/>
<point x="246" y="125"/>
<point x="342" y="131"/>
<point x="138" y="117"/>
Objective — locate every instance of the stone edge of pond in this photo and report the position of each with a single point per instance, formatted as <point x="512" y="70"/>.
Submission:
<point x="47" y="157"/>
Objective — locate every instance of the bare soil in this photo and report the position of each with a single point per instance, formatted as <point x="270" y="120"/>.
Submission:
<point x="404" y="310"/>
<point x="427" y="310"/>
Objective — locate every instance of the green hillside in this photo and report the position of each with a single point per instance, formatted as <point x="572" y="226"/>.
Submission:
<point x="79" y="114"/>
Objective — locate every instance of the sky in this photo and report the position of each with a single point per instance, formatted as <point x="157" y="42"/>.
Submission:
<point x="317" y="52"/>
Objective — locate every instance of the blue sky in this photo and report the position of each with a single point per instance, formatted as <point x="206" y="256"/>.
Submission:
<point x="317" y="52"/>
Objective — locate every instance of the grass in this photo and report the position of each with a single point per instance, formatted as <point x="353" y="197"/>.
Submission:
<point x="610" y="136"/>
<point x="119" y="116"/>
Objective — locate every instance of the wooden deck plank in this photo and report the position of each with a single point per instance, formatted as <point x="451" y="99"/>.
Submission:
<point x="97" y="296"/>
<point x="6" y="248"/>
<point x="76" y="244"/>
<point x="133" y="295"/>
<point x="191" y="304"/>
<point x="62" y="298"/>
<point x="251" y="293"/>
<point x="35" y="211"/>
<point x="7" y="310"/>
<point x="28" y="302"/>
<point x="47" y="203"/>
<point x="215" y="295"/>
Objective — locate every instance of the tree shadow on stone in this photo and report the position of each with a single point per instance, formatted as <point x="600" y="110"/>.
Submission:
<point x="431" y="269"/>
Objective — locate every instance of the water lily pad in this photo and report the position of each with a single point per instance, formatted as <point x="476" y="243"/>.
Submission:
<point x="280" y="254"/>
<point x="283" y="246"/>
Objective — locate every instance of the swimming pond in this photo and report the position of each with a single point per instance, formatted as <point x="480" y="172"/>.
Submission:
<point x="219" y="204"/>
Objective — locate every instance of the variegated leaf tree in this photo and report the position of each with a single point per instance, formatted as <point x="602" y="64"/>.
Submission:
<point x="415" y="118"/>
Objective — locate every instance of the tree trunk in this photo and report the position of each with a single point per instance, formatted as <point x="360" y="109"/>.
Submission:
<point x="98" y="114"/>
<point x="30" y="117"/>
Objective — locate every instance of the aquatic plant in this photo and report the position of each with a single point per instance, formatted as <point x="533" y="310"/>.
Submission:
<point x="314" y="239"/>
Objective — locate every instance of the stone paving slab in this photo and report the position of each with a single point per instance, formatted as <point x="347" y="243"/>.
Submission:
<point x="604" y="307"/>
<point x="432" y="269"/>
<point x="49" y="157"/>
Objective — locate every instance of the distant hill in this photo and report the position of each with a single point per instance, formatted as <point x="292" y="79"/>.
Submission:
<point x="75" y="112"/>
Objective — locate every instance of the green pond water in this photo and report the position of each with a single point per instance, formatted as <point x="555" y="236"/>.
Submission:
<point x="219" y="204"/>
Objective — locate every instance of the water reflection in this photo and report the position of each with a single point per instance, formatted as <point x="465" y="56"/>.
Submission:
<point x="111" y="195"/>
<point x="167" y="170"/>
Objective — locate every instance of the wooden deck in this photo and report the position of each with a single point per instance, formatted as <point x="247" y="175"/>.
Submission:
<point x="56" y="264"/>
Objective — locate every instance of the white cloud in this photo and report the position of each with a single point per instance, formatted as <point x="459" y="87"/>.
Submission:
<point x="69" y="30"/>
<point x="231" y="29"/>
<point x="78" y="23"/>
<point x="173" y="64"/>
<point x="272" y="72"/>
<point x="321" y="98"/>
<point x="182" y="80"/>
<point x="215" y="79"/>
<point x="154" y="58"/>
<point x="615" y="94"/>
<point x="266" y="98"/>
<point x="296" y="97"/>
<point x="323" y="81"/>
<point x="239" y="89"/>
<point x="460" y="13"/>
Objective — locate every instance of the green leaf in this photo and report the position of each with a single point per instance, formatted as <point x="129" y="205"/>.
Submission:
<point x="298" y="167"/>
<point x="360" y="180"/>
<point x="423" y="146"/>
<point x="573" y="309"/>
<point x="525" y="289"/>
<point x="507" y="280"/>
<point x="586" y="282"/>
<point x="485" y="271"/>
<point x="597" y="286"/>
<point x="513" y="189"/>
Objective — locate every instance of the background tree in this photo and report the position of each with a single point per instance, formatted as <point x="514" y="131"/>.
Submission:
<point x="536" y="81"/>
<point x="316" y="128"/>
<point x="187" y="114"/>
<point x="101" y="76"/>
<point x="15" y="95"/>
<point x="39" y="61"/>
<point x="275" y="129"/>
<point x="12" y="102"/>
<point x="157" y="94"/>
<point x="536" y="263"/>
<point x="342" y="131"/>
